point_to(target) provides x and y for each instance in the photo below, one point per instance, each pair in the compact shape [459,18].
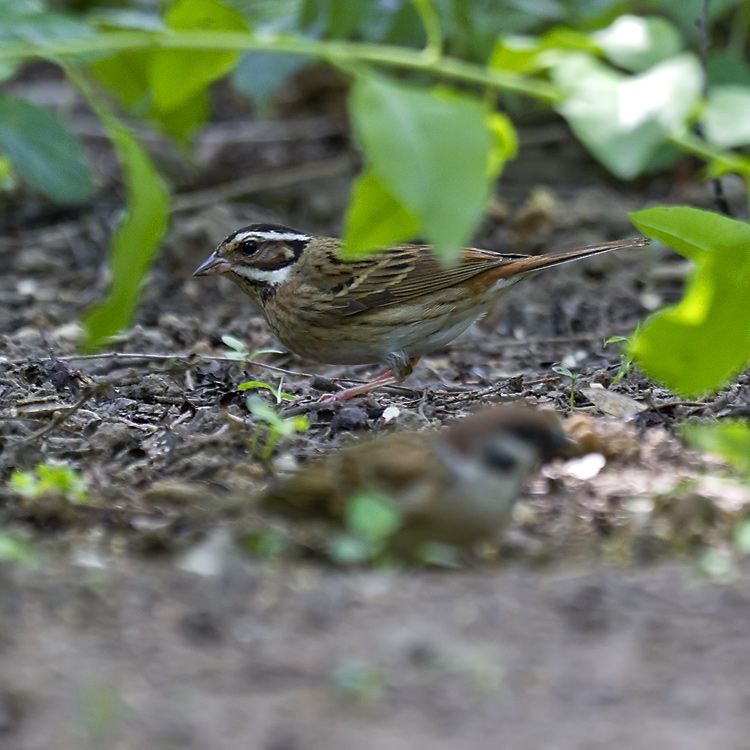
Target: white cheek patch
[275,277]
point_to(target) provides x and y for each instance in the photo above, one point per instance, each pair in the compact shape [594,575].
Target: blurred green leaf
[349,549]
[623,119]
[48,477]
[741,536]
[260,75]
[175,76]
[41,27]
[717,565]
[371,515]
[16,550]
[346,16]
[698,345]
[728,438]
[126,76]
[410,139]
[43,151]
[137,239]
[636,43]
[374,218]
[725,69]
[726,118]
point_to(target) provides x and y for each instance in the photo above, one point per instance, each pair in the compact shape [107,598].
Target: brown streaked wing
[397,275]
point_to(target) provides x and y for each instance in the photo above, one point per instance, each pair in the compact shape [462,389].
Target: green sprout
[278,394]
[16,550]
[560,370]
[239,350]
[50,478]
[358,681]
[275,427]
[626,361]
[370,519]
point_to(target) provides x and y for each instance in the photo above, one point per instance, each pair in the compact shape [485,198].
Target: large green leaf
[260,75]
[698,345]
[375,218]
[621,119]
[431,151]
[727,116]
[635,43]
[137,239]
[178,75]
[44,151]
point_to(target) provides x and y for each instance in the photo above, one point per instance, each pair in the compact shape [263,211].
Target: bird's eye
[249,247]
[500,457]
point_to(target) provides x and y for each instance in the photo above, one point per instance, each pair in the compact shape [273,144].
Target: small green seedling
[358,681]
[626,358]
[239,350]
[50,478]
[370,519]
[275,427]
[278,394]
[560,370]
[16,550]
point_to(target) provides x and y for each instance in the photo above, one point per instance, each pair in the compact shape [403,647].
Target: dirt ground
[612,615]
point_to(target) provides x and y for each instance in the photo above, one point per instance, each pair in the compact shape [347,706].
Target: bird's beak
[213,266]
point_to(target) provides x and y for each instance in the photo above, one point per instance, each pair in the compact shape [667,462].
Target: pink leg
[387,378]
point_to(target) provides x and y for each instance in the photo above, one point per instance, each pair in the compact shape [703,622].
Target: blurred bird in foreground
[455,486]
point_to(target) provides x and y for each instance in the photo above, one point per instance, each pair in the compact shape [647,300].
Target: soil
[157,615]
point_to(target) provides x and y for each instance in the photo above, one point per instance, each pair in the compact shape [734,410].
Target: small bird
[453,486]
[392,307]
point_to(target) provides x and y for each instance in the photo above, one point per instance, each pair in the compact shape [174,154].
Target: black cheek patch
[279,255]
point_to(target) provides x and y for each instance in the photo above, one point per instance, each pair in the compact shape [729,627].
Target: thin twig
[185,359]
[60,419]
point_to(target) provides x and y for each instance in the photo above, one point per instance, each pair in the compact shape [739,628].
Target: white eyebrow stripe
[271,236]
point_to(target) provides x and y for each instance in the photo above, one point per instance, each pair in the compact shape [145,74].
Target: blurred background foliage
[434,89]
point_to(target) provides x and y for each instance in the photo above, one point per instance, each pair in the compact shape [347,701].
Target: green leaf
[374,218]
[635,43]
[175,76]
[137,239]
[40,28]
[430,151]
[44,151]
[126,76]
[372,516]
[48,477]
[347,549]
[260,75]
[16,550]
[728,438]
[234,343]
[741,536]
[726,118]
[263,412]
[698,345]
[25,483]
[621,119]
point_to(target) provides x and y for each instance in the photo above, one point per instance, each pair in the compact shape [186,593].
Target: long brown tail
[538,262]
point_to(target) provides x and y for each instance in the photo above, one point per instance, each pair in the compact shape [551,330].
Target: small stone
[349,418]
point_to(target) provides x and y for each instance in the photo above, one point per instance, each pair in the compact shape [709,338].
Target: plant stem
[336,52]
